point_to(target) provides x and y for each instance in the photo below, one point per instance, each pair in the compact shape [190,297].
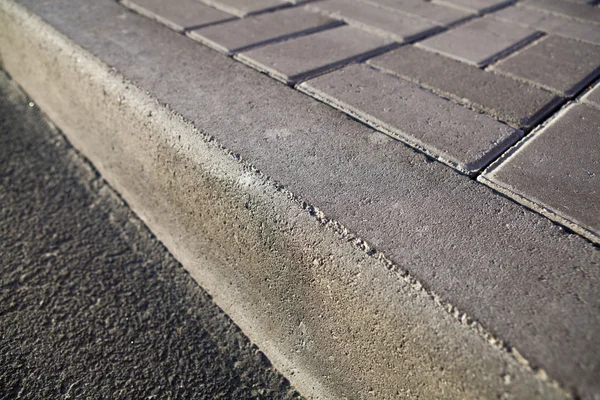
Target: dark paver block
[579,11]
[447,131]
[550,23]
[479,42]
[593,96]
[557,171]
[437,13]
[478,6]
[243,8]
[395,25]
[297,59]
[509,100]
[556,63]
[249,32]
[178,14]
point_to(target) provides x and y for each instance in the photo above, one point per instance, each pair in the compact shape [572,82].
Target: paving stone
[573,10]
[593,96]
[477,6]
[243,8]
[453,134]
[507,99]
[178,14]
[557,171]
[479,42]
[300,58]
[555,62]
[261,29]
[437,13]
[395,25]
[550,23]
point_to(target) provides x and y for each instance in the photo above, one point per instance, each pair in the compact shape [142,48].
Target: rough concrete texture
[557,170]
[556,63]
[593,96]
[243,8]
[584,12]
[517,103]
[394,25]
[479,42]
[328,314]
[300,58]
[550,23]
[178,14]
[437,13]
[457,136]
[92,306]
[477,6]
[257,30]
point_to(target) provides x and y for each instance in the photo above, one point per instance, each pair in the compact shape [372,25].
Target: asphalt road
[92,306]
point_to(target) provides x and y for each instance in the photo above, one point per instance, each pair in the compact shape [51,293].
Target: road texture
[92,306]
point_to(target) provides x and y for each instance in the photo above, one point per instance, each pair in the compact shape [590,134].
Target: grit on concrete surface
[526,280]
[91,304]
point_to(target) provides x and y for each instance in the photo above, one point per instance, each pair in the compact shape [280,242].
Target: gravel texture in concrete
[557,170]
[517,103]
[479,42]
[92,306]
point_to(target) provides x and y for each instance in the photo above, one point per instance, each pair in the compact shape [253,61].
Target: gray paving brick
[557,171]
[437,13]
[300,58]
[550,23]
[479,42]
[261,29]
[509,100]
[178,14]
[243,8]
[573,10]
[477,6]
[555,62]
[593,96]
[395,25]
[453,134]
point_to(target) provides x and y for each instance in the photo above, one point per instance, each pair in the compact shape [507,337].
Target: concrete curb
[333,316]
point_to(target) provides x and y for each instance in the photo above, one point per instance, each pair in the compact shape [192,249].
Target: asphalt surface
[91,304]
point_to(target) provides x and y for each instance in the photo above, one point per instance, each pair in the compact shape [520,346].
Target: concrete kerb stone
[245,242]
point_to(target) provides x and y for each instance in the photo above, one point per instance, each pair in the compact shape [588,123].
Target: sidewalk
[362,257]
